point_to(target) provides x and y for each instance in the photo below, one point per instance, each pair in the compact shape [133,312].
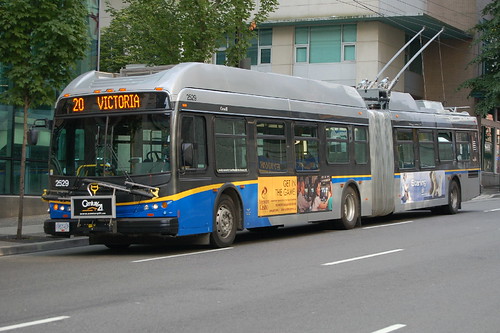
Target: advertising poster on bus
[277,195]
[421,186]
[314,193]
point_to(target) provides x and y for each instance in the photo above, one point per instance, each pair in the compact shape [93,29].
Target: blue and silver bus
[209,150]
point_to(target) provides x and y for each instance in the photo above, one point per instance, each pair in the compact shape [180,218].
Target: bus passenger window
[306,148]
[426,149]
[360,145]
[337,143]
[463,146]
[445,144]
[230,145]
[404,149]
[193,143]
[271,147]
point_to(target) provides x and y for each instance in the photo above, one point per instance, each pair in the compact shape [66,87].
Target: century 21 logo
[92,206]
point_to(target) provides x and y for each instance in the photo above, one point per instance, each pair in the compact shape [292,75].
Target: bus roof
[220,78]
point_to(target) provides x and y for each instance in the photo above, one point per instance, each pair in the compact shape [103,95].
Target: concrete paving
[34,239]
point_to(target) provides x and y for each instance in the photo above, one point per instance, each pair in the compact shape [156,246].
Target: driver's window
[193,143]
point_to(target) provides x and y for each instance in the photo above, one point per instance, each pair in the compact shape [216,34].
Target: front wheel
[225,223]
[350,214]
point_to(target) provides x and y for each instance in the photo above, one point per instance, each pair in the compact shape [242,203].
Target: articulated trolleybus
[209,150]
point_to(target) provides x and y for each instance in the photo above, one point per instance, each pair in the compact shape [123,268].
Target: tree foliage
[160,32]
[145,32]
[41,42]
[487,85]
[200,23]
[241,17]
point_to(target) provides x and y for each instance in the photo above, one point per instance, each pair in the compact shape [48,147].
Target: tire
[225,223]
[454,199]
[350,214]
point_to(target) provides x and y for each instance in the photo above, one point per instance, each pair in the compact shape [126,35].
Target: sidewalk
[35,240]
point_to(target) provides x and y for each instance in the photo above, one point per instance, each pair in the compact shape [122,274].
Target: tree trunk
[22,172]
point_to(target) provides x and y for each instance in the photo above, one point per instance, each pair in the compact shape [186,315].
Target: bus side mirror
[187,154]
[33,132]
[32,136]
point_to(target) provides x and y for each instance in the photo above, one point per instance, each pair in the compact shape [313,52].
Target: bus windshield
[114,145]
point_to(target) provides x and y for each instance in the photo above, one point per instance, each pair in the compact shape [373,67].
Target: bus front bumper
[164,226]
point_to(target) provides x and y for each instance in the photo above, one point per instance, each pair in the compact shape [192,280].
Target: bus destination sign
[110,102]
[113,102]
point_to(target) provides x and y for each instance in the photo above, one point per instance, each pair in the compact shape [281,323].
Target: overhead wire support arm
[412,59]
[394,57]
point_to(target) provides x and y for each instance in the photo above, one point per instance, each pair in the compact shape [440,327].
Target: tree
[183,31]
[144,32]
[41,42]
[487,85]
[200,25]
[240,25]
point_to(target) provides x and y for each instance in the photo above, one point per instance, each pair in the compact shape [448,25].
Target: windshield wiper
[132,188]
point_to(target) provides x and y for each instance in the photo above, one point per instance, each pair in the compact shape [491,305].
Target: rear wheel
[454,199]
[350,209]
[225,223]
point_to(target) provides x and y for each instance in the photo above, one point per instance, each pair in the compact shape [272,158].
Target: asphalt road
[414,272]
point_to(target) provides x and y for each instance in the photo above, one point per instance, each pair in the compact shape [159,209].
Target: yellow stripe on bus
[352,176]
[187,193]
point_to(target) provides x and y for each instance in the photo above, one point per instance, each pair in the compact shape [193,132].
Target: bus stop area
[35,240]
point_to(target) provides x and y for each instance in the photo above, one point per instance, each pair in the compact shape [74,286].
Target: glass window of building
[259,51]
[325,44]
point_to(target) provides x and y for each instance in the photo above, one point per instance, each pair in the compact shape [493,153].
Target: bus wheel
[454,199]
[225,223]
[350,209]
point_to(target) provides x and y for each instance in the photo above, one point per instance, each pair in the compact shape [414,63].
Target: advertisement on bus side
[421,186]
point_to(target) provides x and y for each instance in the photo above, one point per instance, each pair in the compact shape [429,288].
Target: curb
[43,246]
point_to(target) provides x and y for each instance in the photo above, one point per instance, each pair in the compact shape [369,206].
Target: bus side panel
[251,218]
[468,181]
[195,212]
[363,185]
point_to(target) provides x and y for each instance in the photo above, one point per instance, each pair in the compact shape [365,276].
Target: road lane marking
[387,225]
[362,257]
[390,328]
[182,255]
[32,323]
[491,210]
